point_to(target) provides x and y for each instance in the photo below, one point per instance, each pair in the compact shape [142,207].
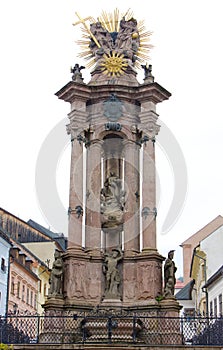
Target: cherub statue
[77,75]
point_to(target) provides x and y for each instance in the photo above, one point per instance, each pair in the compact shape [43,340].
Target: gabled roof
[5,235]
[42,229]
[204,232]
[179,284]
[214,277]
[23,247]
[185,292]
[58,237]
[31,231]
[23,224]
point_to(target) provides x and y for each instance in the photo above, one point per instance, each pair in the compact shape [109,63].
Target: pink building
[23,284]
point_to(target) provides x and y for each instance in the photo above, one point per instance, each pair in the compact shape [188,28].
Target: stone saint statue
[112,275]
[169,275]
[112,201]
[56,276]
[103,37]
[127,41]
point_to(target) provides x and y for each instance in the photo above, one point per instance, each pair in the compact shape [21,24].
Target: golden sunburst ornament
[113,42]
[113,64]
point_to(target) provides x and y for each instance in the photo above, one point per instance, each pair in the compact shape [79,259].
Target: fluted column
[149,197]
[75,210]
[93,189]
[131,173]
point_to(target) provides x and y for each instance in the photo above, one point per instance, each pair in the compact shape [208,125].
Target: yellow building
[198,274]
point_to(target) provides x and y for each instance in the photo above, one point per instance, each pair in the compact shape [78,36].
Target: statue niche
[112,202]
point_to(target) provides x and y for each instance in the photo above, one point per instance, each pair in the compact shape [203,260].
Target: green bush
[5,347]
[159,298]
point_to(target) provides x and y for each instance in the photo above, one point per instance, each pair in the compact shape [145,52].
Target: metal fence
[134,329]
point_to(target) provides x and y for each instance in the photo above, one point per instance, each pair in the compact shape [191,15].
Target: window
[189,313]
[40,286]
[220,304]
[211,308]
[18,289]
[23,292]
[204,308]
[13,285]
[3,266]
[35,301]
[31,298]
[215,307]
[27,296]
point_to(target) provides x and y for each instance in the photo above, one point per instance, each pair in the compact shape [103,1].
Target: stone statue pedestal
[111,303]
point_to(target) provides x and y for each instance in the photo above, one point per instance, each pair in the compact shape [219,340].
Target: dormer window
[3,265]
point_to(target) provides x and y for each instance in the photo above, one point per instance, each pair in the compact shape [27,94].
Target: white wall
[4,253]
[187,304]
[213,247]
[213,292]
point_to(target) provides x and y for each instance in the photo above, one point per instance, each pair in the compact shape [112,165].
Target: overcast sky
[37,49]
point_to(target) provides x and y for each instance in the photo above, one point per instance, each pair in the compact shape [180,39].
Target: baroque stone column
[131,172]
[93,189]
[149,197]
[75,210]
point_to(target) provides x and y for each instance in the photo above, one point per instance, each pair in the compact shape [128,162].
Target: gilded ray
[111,23]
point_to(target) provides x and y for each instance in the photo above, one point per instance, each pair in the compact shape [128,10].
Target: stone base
[128,79]
[111,323]
[170,307]
[111,303]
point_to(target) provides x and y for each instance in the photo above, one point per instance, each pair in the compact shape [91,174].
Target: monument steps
[109,346]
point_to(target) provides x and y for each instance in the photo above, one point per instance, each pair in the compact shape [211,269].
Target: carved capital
[149,123]
[76,131]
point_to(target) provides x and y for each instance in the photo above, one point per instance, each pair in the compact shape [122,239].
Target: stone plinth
[82,278]
[142,274]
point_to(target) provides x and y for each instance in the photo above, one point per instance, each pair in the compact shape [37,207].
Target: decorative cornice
[152,92]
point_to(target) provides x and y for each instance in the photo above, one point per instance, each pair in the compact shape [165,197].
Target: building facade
[23,283]
[206,270]
[193,241]
[29,262]
[5,246]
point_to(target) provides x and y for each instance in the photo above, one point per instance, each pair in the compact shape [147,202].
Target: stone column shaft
[149,197]
[76,195]
[93,190]
[131,173]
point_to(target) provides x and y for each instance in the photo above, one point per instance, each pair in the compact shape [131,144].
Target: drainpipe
[204,289]
[8,280]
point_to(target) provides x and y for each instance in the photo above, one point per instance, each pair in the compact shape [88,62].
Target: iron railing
[135,329]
